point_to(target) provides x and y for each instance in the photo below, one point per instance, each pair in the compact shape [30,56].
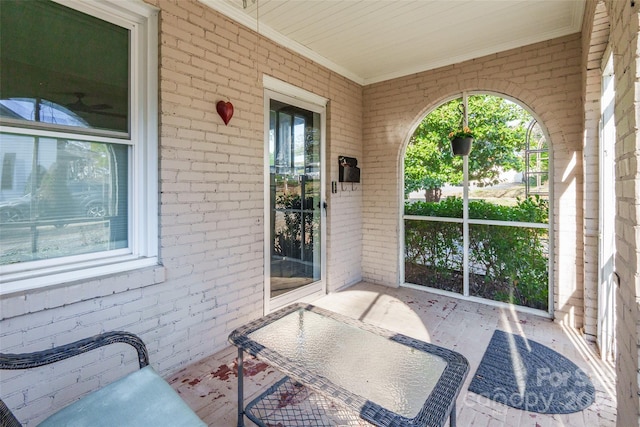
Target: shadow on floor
[210,386]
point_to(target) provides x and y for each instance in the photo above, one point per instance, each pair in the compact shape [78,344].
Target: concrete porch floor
[210,385]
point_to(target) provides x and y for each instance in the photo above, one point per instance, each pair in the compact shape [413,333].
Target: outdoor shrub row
[506,263]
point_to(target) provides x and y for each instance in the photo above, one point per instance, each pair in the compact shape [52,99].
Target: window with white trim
[78,139]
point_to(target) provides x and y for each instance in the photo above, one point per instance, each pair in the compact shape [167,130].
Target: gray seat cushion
[142,398]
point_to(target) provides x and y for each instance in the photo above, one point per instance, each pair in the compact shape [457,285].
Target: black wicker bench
[139,398]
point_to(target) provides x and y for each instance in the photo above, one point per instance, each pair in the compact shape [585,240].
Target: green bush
[506,263]
[451,207]
[295,237]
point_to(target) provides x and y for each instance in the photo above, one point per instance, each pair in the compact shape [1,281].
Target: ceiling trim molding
[250,22]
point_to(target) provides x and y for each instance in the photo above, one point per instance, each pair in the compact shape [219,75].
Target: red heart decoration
[225,110]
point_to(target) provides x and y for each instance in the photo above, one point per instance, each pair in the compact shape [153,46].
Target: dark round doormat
[527,375]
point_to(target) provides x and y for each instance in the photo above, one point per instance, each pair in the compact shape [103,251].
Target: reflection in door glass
[294,160]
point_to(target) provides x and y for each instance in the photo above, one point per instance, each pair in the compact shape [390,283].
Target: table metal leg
[240,389]
[452,416]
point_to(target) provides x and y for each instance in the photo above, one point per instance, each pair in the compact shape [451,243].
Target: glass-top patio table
[386,378]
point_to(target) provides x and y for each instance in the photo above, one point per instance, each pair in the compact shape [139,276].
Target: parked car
[15,210]
[87,203]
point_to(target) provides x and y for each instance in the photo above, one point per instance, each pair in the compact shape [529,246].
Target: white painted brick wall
[625,43]
[546,77]
[211,216]
[211,202]
[595,39]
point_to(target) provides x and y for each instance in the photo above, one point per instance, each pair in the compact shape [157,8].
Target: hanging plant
[461,141]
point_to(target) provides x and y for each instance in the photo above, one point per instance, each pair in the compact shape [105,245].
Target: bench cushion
[142,398]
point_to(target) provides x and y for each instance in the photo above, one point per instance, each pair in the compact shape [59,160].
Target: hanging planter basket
[461,146]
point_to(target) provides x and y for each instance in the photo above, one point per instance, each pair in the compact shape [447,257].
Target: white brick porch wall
[211,212]
[594,43]
[545,77]
[211,216]
[624,21]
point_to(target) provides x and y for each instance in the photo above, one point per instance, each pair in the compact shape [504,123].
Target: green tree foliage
[505,262]
[499,128]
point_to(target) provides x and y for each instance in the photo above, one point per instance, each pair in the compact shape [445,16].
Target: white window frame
[142,21]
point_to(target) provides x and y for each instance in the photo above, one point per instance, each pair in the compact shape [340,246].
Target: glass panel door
[295,203]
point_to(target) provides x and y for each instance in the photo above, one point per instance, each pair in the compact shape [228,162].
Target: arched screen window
[477,224]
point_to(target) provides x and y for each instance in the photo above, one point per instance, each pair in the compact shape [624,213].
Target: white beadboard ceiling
[369,41]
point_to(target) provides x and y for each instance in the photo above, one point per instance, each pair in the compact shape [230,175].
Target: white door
[294,200]
[607,248]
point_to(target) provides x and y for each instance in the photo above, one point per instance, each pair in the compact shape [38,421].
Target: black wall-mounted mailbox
[348,170]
